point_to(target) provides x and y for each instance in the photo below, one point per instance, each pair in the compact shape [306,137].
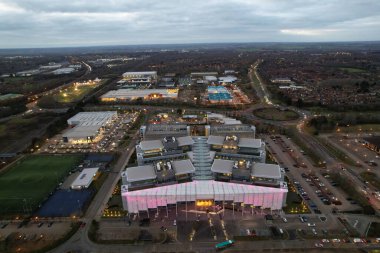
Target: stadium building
[217,167]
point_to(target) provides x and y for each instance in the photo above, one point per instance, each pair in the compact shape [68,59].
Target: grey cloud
[57,22]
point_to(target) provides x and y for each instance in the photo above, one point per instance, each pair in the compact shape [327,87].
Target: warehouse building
[140,78]
[140,74]
[87,127]
[133,94]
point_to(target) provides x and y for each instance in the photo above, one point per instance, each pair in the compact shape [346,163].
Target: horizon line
[192,43]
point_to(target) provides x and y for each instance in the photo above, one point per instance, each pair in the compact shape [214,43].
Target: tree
[300,103]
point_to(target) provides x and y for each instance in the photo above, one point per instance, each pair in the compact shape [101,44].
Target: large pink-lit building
[203,191]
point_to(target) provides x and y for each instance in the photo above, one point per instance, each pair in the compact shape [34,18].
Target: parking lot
[319,192]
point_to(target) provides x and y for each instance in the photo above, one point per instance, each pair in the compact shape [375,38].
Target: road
[32,106]
[80,240]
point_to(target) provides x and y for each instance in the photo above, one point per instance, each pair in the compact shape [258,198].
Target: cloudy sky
[55,23]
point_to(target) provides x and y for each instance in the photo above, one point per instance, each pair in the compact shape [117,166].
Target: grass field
[275,114]
[364,128]
[353,70]
[75,93]
[72,94]
[9,96]
[27,183]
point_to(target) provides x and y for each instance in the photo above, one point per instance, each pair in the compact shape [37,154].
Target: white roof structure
[211,78]
[141,200]
[224,119]
[185,141]
[227,79]
[266,170]
[215,140]
[80,132]
[140,73]
[62,71]
[222,166]
[126,94]
[92,118]
[228,121]
[183,167]
[249,143]
[85,178]
[149,145]
[139,173]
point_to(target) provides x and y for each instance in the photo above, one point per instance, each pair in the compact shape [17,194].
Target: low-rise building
[373,143]
[267,174]
[84,179]
[133,94]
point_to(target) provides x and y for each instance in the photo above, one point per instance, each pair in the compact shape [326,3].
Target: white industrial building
[140,74]
[84,179]
[87,126]
[92,118]
[133,94]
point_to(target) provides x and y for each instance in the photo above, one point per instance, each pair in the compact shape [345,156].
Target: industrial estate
[191,150]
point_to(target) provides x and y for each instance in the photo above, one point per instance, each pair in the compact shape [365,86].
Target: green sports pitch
[29,181]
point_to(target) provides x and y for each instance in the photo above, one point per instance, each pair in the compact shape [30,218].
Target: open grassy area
[73,94]
[27,183]
[275,114]
[364,128]
[17,132]
[353,70]
[9,96]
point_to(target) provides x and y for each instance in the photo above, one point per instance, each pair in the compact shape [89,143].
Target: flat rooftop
[140,73]
[183,167]
[140,173]
[215,140]
[81,131]
[85,178]
[140,93]
[266,170]
[222,166]
[185,141]
[149,145]
[249,143]
[91,118]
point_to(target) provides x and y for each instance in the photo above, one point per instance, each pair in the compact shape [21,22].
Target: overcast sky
[55,23]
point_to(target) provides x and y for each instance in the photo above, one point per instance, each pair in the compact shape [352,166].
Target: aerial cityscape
[191,126]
